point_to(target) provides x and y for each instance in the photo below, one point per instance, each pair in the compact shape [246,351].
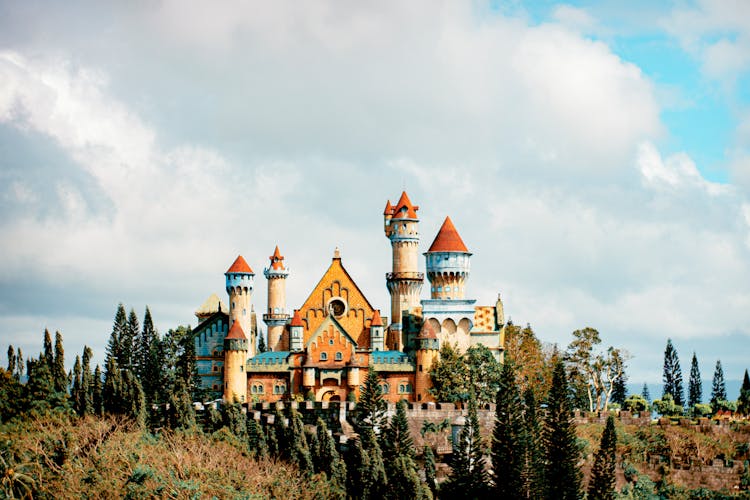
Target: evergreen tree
[11,360]
[281,434]
[430,471]
[468,477]
[149,359]
[327,460]
[97,397]
[262,343]
[718,388]
[508,438]
[59,376]
[562,476]
[743,402]
[449,376]
[602,482]
[133,399]
[370,410]
[128,339]
[398,457]
[299,452]
[87,383]
[181,414]
[235,420]
[256,441]
[48,356]
[377,480]
[39,390]
[695,387]
[19,365]
[112,390]
[272,441]
[672,376]
[358,471]
[620,389]
[645,393]
[76,392]
[534,459]
[118,330]
[212,419]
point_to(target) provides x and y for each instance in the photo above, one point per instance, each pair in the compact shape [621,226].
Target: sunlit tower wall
[276,317]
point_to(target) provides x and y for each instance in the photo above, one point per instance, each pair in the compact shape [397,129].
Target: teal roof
[270,358]
[380,357]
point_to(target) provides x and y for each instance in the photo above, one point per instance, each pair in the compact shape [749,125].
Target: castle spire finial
[336,253]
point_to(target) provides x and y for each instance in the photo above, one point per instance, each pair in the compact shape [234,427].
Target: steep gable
[330,345]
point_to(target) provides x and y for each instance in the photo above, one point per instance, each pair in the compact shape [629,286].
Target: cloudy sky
[595,158]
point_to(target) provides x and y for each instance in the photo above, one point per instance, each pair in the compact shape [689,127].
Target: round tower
[240,289]
[427,353]
[276,316]
[236,346]
[404,281]
[447,264]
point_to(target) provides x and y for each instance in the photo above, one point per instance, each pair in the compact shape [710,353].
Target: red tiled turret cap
[404,209]
[427,331]
[447,239]
[388,208]
[376,319]
[296,319]
[236,332]
[277,260]
[239,266]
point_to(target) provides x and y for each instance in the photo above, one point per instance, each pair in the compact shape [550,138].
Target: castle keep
[324,349]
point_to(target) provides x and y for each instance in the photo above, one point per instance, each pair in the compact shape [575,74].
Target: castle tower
[447,264]
[404,281]
[240,288]
[235,357]
[428,352]
[276,317]
[295,332]
[377,341]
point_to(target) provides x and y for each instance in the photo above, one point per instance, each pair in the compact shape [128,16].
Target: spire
[428,332]
[376,319]
[336,254]
[448,239]
[296,319]
[236,332]
[239,266]
[388,208]
[404,209]
[277,260]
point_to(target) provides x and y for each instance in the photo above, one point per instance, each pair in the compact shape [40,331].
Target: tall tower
[404,281]
[427,353]
[447,264]
[240,288]
[235,356]
[276,317]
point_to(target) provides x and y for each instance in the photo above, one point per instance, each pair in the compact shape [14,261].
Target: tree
[562,477]
[743,402]
[118,330]
[672,376]
[370,409]
[76,390]
[484,372]
[149,361]
[398,458]
[48,356]
[645,393]
[524,350]
[667,406]
[449,375]
[695,386]
[11,360]
[256,441]
[468,477]
[19,365]
[365,472]
[718,388]
[508,438]
[128,346]
[59,375]
[181,414]
[620,390]
[430,471]
[98,393]
[534,459]
[602,482]
[112,390]
[262,343]
[87,383]
[298,450]
[326,459]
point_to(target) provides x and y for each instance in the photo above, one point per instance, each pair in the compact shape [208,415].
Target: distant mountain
[733,389]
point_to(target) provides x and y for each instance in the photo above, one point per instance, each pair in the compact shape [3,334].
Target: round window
[337,306]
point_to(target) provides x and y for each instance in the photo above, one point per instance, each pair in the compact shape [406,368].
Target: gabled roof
[210,321]
[448,239]
[296,319]
[277,260]
[324,325]
[376,319]
[404,209]
[239,266]
[236,332]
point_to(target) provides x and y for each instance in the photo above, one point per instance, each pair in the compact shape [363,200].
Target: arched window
[385,388]
[324,356]
[339,356]
[216,368]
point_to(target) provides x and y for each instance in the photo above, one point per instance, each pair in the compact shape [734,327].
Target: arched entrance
[330,396]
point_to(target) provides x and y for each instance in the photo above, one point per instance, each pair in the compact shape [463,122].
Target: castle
[324,349]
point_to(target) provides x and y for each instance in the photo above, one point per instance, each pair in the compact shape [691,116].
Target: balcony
[404,276]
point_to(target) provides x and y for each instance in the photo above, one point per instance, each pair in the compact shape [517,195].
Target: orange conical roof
[410,211]
[376,319]
[428,332]
[239,266]
[277,260]
[448,239]
[388,208]
[296,319]
[236,332]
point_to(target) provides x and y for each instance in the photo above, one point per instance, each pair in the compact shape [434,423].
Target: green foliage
[11,392]
[97,397]
[181,414]
[484,374]
[326,459]
[743,402]
[398,458]
[86,401]
[695,386]
[509,438]
[534,459]
[256,440]
[561,476]
[430,471]
[701,410]
[365,478]
[262,343]
[59,375]
[645,393]
[468,477]
[620,390]
[298,450]
[672,375]
[449,376]
[636,403]
[602,482]
[667,406]
[148,359]
[718,388]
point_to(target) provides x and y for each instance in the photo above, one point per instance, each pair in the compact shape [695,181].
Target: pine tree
[112,390]
[719,388]
[181,414]
[370,409]
[695,387]
[133,399]
[602,482]
[212,419]
[620,389]
[377,480]
[358,471]
[87,383]
[256,441]
[430,471]
[149,359]
[97,397]
[672,376]
[262,343]
[59,376]
[645,393]
[299,452]
[327,460]
[468,477]
[19,365]
[76,392]
[398,457]
[128,339]
[743,402]
[235,420]
[281,434]
[11,360]
[272,441]
[48,356]
[534,459]
[118,330]
[562,476]
[508,438]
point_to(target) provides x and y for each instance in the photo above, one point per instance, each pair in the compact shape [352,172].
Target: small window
[420,368]
[339,356]
[215,387]
[260,388]
[447,289]
[409,389]
[385,388]
[242,368]
[330,342]
[252,389]
[216,353]
[216,368]
[401,388]
[324,356]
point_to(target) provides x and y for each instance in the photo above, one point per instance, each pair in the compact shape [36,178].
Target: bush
[667,407]
[701,410]
[636,403]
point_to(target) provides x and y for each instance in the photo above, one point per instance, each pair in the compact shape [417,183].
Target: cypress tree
[128,339]
[672,376]
[262,343]
[48,356]
[534,459]
[59,376]
[376,478]
[76,392]
[19,364]
[562,476]
[112,390]
[235,420]
[358,471]
[329,461]
[149,359]
[118,330]
[508,438]
[11,360]
[468,477]
[719,388]
[602,482]
[134,402]
[398,457]
[299,452]
[281,434]
[743,402]
[181,414]
[370,409]
[87,383]
[256,441]
[695,387]
[97,396]
[645,393]
[430,471]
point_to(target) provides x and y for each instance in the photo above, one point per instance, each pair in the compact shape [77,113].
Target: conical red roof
[239,266]
[447,239]
[296,319]
[236,332]
[376,319]
[388,208]
[277,260]
[427,331]
[405,203]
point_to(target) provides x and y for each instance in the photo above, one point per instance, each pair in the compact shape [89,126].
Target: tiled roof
[428,332]
[404,209]
[277,260]
[296,319]
[376,319]
[388,208]
[236,332]
[239,266]
[270,358]
[447,239]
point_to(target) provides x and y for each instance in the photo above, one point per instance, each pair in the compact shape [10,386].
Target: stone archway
[331,394]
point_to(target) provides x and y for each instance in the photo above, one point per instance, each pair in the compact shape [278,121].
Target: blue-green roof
[380,357]
[270,358]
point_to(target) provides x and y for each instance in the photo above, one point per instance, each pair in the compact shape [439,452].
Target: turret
[295,332]
[428,349]
[236,346]
[404,281]
[377,342]
[240,289]
[447,263]
[276,316]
